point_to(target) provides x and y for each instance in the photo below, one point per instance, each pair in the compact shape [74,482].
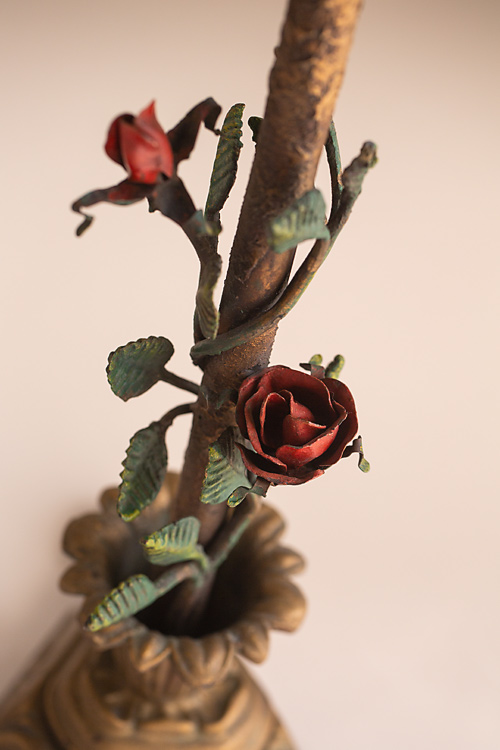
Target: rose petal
[295,456]
[249,458]
[251,427]
[298,410]
[263,468]
[112,145]
[273,411]
[306,390]
[341,394]
[140,146]
[147,122]
[247,390]
[299,431]
[252,412]
[140,152]
[342,399]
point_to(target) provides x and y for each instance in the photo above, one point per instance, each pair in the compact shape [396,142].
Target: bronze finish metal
[132,687]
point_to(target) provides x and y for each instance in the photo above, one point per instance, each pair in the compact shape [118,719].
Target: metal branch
[304,85]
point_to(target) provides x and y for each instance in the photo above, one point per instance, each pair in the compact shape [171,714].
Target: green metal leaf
[335,367]
[225,472]
[134,368]
[175,543]
[129,597]
[137,593]
[226,161]
[144,469]
[303,220]
[363,464]
[236,497]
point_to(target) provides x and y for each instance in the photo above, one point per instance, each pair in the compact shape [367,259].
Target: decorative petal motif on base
[265,567]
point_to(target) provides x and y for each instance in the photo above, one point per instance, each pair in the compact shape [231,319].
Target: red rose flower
[297,424]
[150,157]
[140,145]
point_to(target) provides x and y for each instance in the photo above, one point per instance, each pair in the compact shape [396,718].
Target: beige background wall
[401,645]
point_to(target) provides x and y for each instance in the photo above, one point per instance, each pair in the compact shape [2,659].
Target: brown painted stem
[304,85]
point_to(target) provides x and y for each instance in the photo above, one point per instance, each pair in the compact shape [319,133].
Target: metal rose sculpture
[150,156]
[257,426]
[297,424]
[189,574]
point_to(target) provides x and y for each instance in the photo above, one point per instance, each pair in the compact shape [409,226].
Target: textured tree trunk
[304,85]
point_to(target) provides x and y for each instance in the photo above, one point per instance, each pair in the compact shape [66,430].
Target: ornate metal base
[60,703]
[130,686]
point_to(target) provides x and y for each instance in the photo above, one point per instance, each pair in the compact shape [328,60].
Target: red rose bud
[140,145]
[297,424]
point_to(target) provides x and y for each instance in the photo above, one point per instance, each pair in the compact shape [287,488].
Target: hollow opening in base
[234,591]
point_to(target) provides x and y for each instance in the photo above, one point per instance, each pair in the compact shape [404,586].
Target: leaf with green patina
[303,220]
[175,543]
[143,472]
[259,487]
[134,368]
[137,593]
[225,472]
[129,597]
[226,161]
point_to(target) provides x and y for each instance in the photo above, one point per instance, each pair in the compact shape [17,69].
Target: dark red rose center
[285,421]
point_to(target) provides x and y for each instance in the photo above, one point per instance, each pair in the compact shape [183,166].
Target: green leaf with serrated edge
[335,367]
[144,469]
[224,473]
[226,161]
[303,220]
[129,597]
[175,543]
[136,593]
[134,368]
[254,124]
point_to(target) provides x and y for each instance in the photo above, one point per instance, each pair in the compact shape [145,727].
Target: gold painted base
[62,704]
[132,687]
